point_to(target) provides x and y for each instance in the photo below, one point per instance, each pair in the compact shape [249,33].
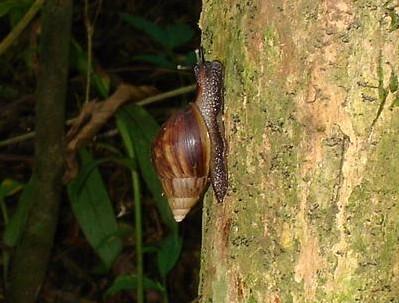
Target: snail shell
[181,154]
[191,146]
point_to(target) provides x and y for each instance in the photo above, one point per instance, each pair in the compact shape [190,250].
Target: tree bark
[312,212]
[32,254]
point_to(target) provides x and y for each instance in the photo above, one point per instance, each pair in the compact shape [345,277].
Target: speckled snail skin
[191,146]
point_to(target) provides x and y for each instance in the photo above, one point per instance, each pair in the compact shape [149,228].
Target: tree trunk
[32,254]
[312,213]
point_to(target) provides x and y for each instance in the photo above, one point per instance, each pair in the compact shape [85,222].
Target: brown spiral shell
[181,155]
[191,146]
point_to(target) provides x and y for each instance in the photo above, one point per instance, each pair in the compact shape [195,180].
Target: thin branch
[172,93]
[89,31]
[146,101]
[90,25]
[22,24]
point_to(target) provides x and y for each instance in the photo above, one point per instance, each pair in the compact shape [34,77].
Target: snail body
[190,147]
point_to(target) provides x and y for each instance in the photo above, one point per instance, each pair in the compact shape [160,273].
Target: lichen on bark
[312,128]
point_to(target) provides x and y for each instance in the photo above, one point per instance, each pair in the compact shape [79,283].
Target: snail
[191,148]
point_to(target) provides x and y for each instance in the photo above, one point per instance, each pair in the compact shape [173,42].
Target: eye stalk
[199,53]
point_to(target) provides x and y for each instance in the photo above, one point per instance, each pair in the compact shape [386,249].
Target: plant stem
[139,240]
[4,211]
[89,30]
[138,226]
[34,248]
[22,24]
[165,296]
[5,254]
[173,93]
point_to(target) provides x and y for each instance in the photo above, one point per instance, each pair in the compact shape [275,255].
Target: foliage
[93,195]
[93,210]
[14,9]
[169,38]
[13,230]
[101,82]
[129,282]
[15,226]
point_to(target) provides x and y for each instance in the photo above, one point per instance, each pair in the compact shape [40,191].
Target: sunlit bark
[312,213]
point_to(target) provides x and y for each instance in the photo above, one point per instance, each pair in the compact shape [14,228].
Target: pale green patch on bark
[311,212]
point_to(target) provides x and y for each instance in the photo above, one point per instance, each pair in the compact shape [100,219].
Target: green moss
[219,289]
[272,51]
[264,172]
[251,299]
[256,251]
[373,223]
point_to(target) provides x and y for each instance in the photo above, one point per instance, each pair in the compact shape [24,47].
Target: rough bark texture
[32,254]
[312,213]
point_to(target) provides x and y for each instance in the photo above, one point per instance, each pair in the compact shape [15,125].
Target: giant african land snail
[191,145]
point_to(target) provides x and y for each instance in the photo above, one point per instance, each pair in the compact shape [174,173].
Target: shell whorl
[191,145]
[181,154]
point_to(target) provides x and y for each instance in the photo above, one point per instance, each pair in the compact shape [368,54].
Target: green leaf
[18,11]
[93,210]
[190,59]
[88,169]
[78,57]
[169,253]
[150,28]
[171,36]
[129,282]
[15,227]
[178,35]
[101,83]
[9,187]
[139,129]
[124,125]
[8,5]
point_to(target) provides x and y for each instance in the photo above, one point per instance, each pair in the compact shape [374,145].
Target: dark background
[121,52]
